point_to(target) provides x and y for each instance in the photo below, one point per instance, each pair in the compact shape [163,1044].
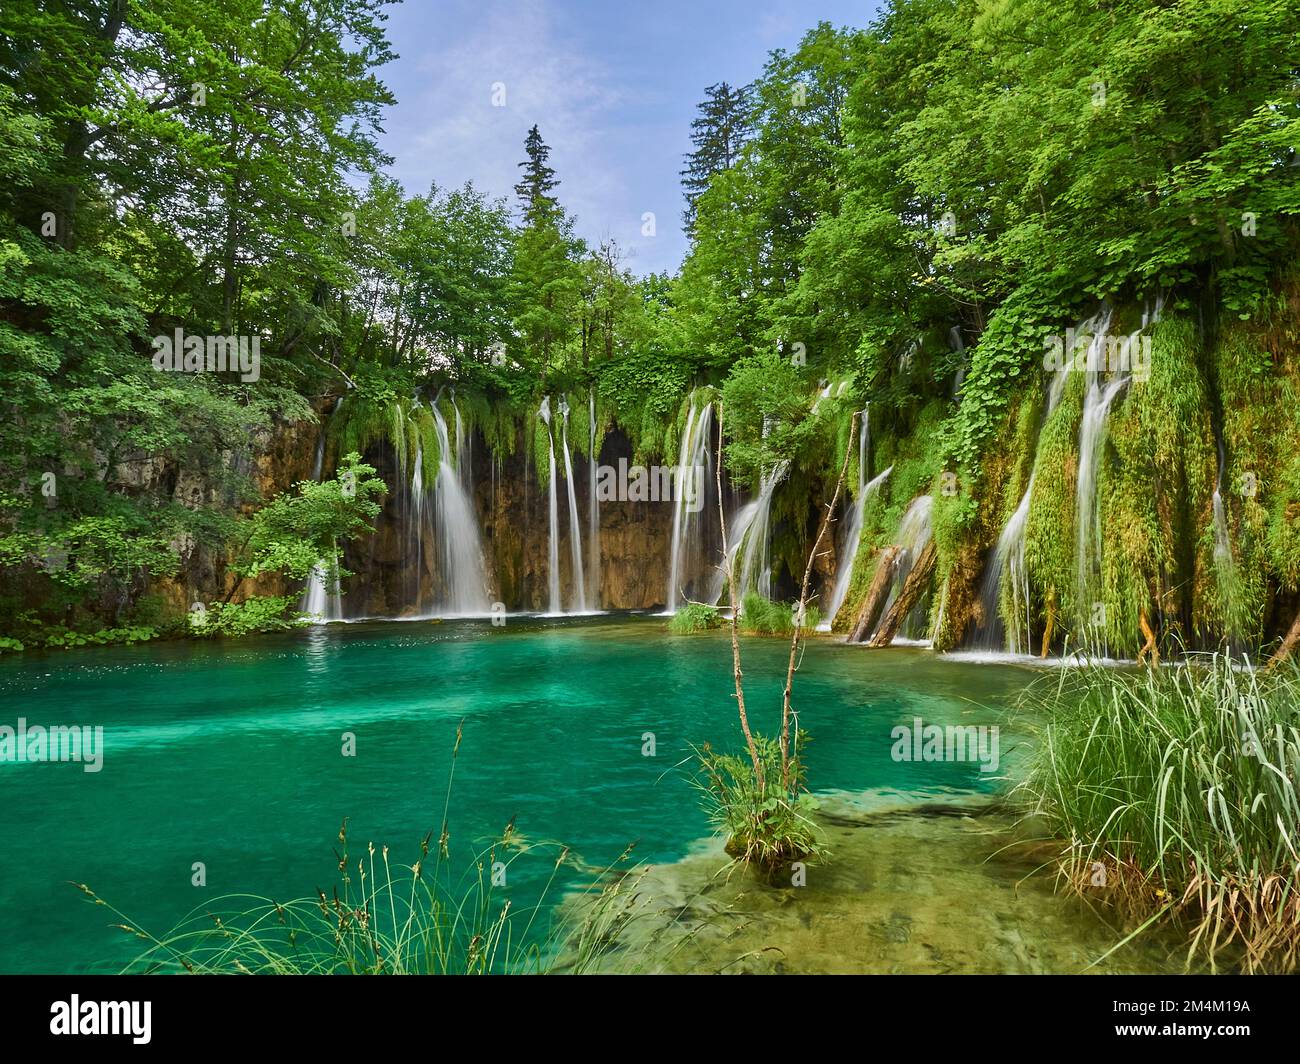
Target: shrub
[694,617]
[762,616]
[262,613]
[766,826]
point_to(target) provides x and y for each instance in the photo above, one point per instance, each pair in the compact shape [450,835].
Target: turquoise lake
[230,754]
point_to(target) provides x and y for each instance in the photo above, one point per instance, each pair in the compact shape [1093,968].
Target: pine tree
[546,276]
[718,135]
[534,191]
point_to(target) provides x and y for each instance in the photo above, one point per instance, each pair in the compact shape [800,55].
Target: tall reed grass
[383,918]
[1177,791]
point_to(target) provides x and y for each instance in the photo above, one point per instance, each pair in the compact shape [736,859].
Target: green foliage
[296,530]
[765,405]
[762,616]
[256,614]
[694,617]
[66,638]
[765,825]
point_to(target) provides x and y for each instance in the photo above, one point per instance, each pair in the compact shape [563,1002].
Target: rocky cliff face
[281,456]
[396,571]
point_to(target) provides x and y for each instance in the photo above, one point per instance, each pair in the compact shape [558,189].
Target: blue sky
[613,87]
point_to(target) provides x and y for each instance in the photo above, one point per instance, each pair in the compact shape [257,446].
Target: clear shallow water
[230,754]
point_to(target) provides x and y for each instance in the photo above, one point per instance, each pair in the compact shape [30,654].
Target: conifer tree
[718,134]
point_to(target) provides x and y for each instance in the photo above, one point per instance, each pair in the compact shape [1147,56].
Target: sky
[612,85]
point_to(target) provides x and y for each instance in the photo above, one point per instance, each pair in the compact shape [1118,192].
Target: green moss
[539,437]
[1050,531]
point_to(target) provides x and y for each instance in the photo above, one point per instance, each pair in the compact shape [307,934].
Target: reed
[385,918]
[1177,788]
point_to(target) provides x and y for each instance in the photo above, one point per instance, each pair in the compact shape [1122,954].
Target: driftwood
[876,595]
[1051,623]
[1288,644]
[1149,647]
[913,586]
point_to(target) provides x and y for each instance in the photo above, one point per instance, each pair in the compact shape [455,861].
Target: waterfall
[1225,566]
[844,571]
[554,605]
[1007,566]
[749,541]
[694,453]
[417,518]
[319,602]
[464,578]
[1092,441]
[1008,563]
[593,506]
[914,532]
[575,530]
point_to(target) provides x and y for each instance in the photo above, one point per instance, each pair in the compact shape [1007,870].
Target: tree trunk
[1149,647]
[1050,628]
[803,598]
[1288,644]
[729,576]
[913,586]
[875,600]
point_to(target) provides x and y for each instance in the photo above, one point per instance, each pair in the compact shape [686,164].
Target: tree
[718,135]
[546,279]
[535,188]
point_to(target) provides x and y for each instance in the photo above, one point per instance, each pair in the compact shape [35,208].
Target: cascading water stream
[844,571]
[593,505]
[853,538]
[554,605]
[575,530]
[1008,564]
[1225,566]
[689,494]
[748,533]
[319,601]
[464,577]
[1088,547]
[1008,561]
[914,532]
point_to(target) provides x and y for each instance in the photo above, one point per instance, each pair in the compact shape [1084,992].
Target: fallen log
[865,622]
[912,589]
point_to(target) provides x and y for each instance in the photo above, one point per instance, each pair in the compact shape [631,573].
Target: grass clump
[694,617]
[762,616]
[1178,790]
[767,824]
